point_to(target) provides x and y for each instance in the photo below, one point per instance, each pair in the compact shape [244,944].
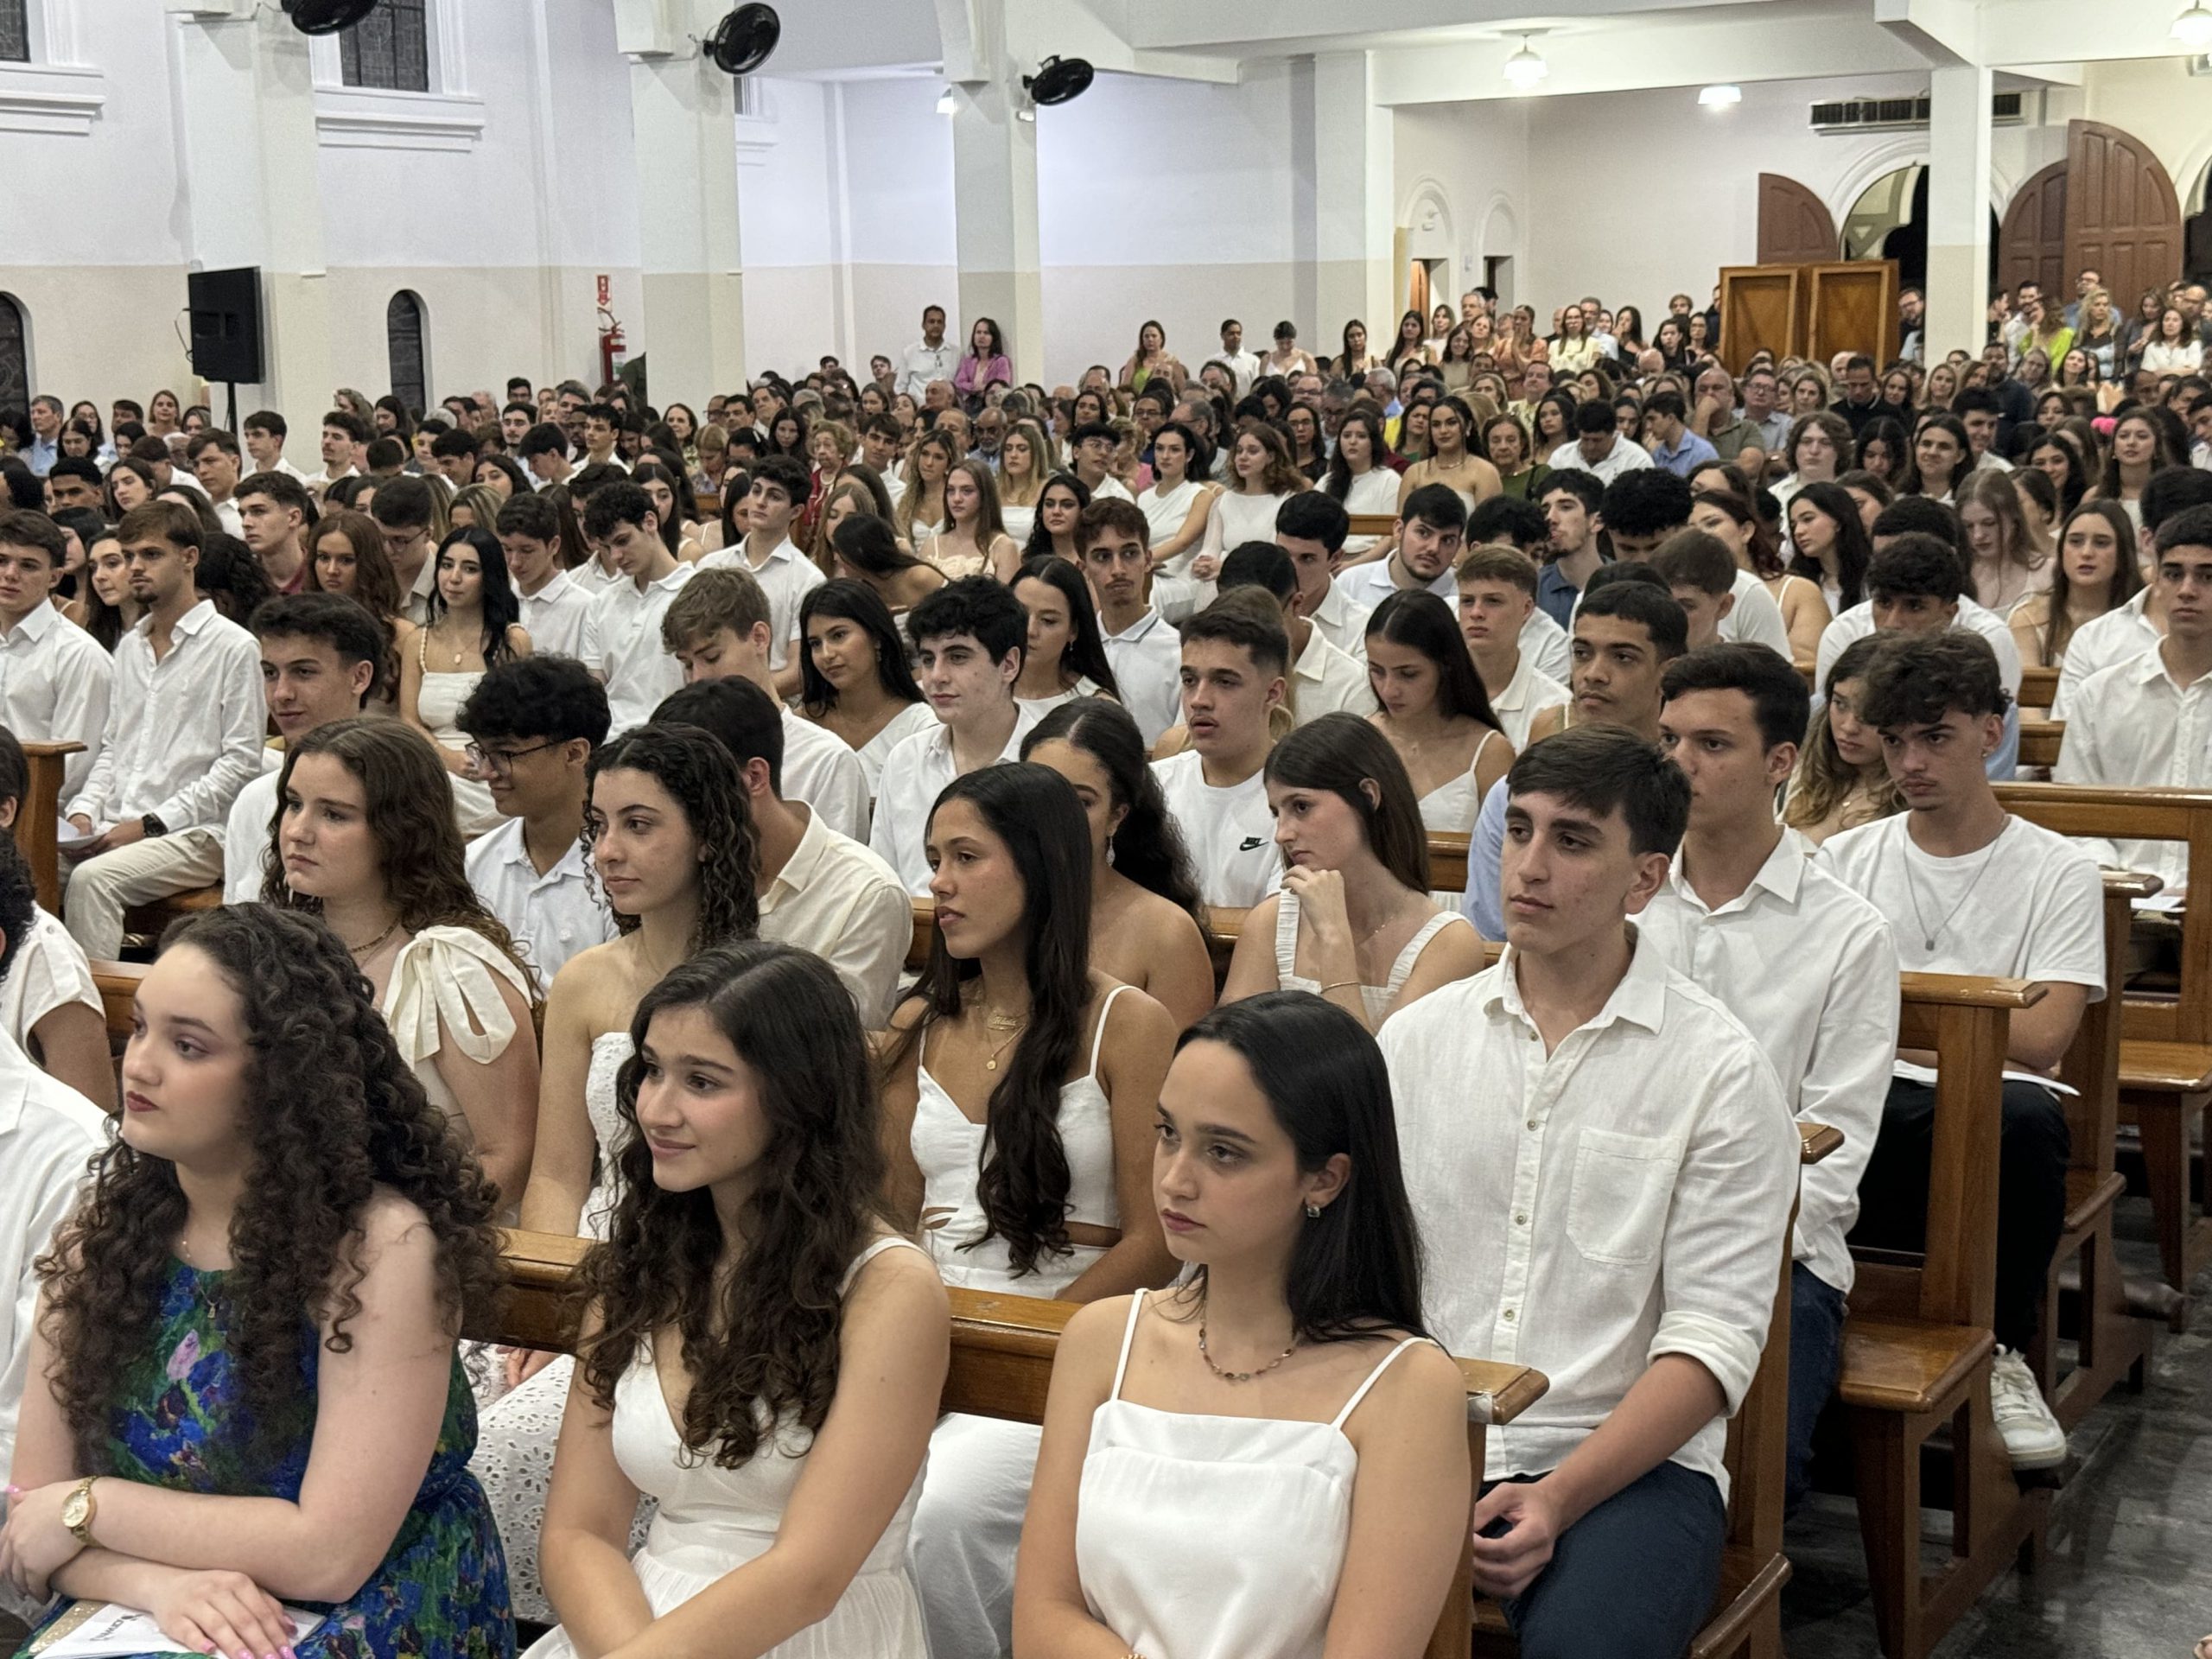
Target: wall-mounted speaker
[226,323]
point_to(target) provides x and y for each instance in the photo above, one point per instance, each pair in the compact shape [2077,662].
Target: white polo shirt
[554,616]
[786,576]
[55,683]
[839,900]
[822,770]
[553,916]
[914,774]
[1327,681]
[1230,833]
[1147,658]
[1528,693]
[621,645]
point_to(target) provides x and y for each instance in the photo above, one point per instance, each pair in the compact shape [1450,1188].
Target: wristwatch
[152,824]
[78,1510]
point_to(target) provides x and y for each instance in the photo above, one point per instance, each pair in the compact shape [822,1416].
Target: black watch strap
[152,824]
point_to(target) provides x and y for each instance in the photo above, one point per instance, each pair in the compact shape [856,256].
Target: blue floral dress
[182,1422]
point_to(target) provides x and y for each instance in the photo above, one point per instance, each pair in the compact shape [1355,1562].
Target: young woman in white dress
[1726,515]
[1360,475]
[1261,478]
[672,847]
[1066,658]
[473,624]
[974,539]
[1176,505]
[1453,429]
[854,681]
[1269,1460]
[1025,463]
[1018,1086]
[760,1353]
[1433,709]
[1354,922]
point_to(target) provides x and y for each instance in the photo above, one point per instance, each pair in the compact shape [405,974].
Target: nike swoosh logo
[1252,844]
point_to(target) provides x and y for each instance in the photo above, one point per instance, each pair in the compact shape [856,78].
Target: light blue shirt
[1481,904]
[40,454]
[1689,454]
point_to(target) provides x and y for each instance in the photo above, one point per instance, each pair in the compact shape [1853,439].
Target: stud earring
[1312,1212]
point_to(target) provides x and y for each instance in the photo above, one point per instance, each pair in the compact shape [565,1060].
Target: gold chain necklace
[1235,1377]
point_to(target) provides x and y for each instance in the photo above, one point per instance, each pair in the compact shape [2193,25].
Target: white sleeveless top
[1378,998]
[1452,807]
[949,1146]
[1206,1537]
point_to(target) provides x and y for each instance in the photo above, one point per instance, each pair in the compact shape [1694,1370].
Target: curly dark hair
[761,1343]
[330,1113]
[694,768]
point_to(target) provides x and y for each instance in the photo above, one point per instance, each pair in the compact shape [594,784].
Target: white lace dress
[515,1432]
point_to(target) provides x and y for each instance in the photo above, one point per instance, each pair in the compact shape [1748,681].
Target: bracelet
[1325,989]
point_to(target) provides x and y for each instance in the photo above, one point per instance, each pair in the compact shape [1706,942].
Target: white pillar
[251,155]
[994,215]
[1958,210]
[1353,161]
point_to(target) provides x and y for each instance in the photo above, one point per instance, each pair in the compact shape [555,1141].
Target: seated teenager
[779,1406]
[622,644]
[1064,657]
[672,849]
[1626,631]
[1302,1517]
[718,628]
[1968,888]
[49,1003]
[533,726]
[2132,726]
[1354,922]
[183,736]
[1432,525]
[349,559]
[1235,657]
[1699,573]
[1842,778]
[54,678]
[1434,710]
[1574,545]
[281,1254]
[1019,1093]
[365,837]
[1323,680]
[1313,527]
[1803,605]
[778,494]
[1625,1242]
[2095,574]
[969,639]
[322,657]
[818,889]
[1147,923]
[855,682]
[1498,599]
[2136,626]
[1804,963]
[1144,650]
[554,603]
[1645,509]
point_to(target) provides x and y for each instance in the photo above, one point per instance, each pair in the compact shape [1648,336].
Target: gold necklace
[1236,1376]
[995,1020]
[361,951]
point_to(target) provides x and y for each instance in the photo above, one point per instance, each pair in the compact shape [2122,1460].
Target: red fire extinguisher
[614,352]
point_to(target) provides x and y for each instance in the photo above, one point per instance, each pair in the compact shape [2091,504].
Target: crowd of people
[569,768]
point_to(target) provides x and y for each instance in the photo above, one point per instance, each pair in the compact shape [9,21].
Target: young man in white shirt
[264,434]
[532,725]
[1244,366]
[554,606]
[621,642]
[1323,680]
[1598,446]
[932,360]
[321,655]
[603,426]
[544,453]
[778,495]
[1968,888]
[274,513]
[1236,656]
[969,639]
[1311,527]
[2142,724]
[403,511]
[1805,963]
[345,449]
[183,736]
[1498,596]
[819,890]
[1645,509]
[1701,573]
[1146,654]
[1602,1166]
[1090,451]
[214,459]
[1431,527]
[54,679]
[718,628]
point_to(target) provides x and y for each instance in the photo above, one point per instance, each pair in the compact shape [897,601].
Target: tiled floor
[2128,1575]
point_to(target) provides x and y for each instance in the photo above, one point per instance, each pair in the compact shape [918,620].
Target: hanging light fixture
[1526,69]
[1720,98]
[946,103]
[2193,28]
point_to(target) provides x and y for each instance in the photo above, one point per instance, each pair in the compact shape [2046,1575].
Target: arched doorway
[1888,220]
[406,334]
[15,355]
[2196,231]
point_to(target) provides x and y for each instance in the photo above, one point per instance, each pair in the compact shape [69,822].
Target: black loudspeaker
[226,323]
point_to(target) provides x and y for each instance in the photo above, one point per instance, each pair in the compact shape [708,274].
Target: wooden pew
[2038,686]
[2166,1047]
[37,819]
[1917,1344]
[1002,1349]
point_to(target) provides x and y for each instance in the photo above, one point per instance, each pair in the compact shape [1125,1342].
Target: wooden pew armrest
[2165,1068]
[1903,1366]
[1816,1142]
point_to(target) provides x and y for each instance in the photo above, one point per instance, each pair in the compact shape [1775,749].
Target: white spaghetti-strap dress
[1378,998]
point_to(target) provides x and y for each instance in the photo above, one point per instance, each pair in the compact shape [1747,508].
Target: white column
[246,102]
[1958,210]
[1353,161]
[994,215]
[682,124]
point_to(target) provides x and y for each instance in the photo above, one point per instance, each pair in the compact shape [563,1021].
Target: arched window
[15,355]
[404,331]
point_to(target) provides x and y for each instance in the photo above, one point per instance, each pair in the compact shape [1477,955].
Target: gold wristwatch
[78,1510]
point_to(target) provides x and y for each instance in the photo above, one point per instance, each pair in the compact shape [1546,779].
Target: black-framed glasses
[503,760]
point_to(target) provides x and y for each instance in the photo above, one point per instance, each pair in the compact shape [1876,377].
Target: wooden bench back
[37,819]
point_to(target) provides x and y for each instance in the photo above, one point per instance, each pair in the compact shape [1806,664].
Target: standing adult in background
[985,361]
[929,359]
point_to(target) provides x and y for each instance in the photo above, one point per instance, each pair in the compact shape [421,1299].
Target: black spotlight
[326,16]
[742,41]
[1059,79]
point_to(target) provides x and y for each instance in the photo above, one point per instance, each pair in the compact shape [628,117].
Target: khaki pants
[101,888]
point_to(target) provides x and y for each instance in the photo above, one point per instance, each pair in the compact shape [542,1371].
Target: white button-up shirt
[1546,643]
[1343,622]
[2118,636]
[1366,586]
[54,682]
[1810,969]
[837,898]
[554,916]
[914,774]
[183,735]
[1325,681]
[786,576]
[1147,658]
[622,645]
[1528,693]
[1624,457]
[923,363]
[1589,1210]
[822,770]
[554,616]
[2132,726]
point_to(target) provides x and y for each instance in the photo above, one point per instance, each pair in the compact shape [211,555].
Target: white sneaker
[2034,1438]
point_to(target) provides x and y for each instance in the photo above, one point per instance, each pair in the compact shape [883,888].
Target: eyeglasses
[502,761]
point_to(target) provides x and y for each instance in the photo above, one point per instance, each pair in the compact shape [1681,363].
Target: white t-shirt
[50,971]
[1756,620]
[1230,833]
[621,645]
[554,616]
[786,576]
[822,770]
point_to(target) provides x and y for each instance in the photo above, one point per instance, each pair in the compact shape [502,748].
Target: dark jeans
[1634,1579]
[1816,1310]
[2030,1193]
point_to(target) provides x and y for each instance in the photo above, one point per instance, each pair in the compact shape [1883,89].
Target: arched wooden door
[2032,243]
[1795,225]
[2123,219]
